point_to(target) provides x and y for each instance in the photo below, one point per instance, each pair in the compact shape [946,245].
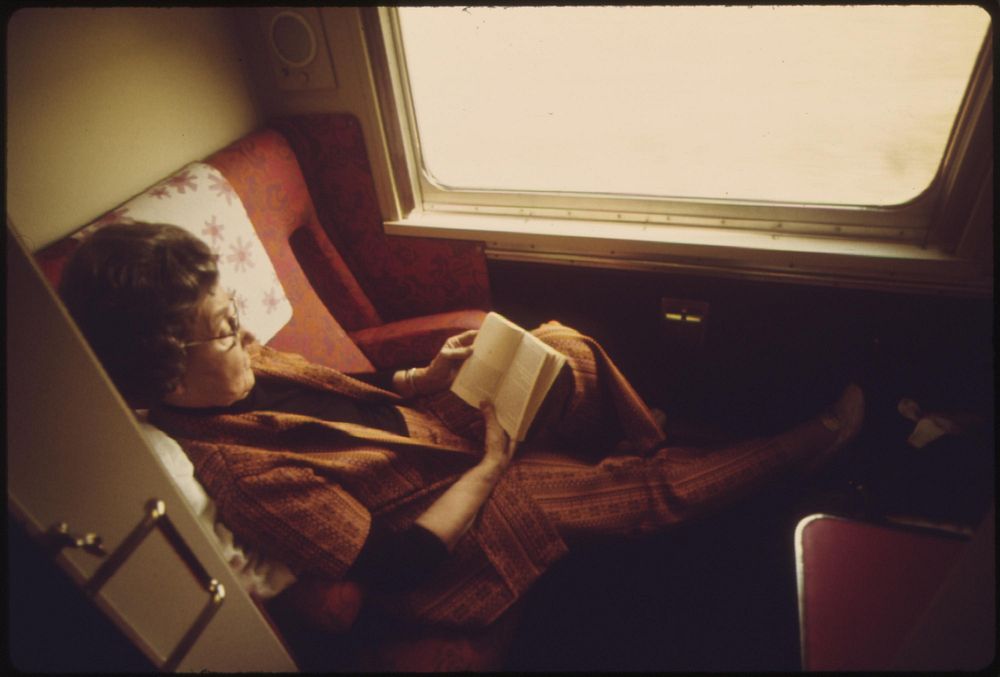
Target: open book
[512,369]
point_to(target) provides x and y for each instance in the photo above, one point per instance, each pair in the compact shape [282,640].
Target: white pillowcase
[261,577]
[200,200]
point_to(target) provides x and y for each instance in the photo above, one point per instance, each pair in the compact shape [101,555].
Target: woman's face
[217,372]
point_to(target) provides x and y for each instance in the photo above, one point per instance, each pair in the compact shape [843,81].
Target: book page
[492,352]
[515,391]
[554,362]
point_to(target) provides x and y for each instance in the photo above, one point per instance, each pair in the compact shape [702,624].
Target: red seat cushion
[414,341]
[862,588]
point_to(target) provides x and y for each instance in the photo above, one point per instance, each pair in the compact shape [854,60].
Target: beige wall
[354,92]
[102,103]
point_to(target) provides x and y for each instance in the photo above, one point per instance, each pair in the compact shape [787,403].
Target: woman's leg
[592,406]
[595,407]
[582,412]
[632,496]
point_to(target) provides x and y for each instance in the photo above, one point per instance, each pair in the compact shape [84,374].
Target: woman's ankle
[844,419]
[847,414]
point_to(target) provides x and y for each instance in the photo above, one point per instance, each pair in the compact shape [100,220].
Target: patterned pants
[632,495]
[588,493]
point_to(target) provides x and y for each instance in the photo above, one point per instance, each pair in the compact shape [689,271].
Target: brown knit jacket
[304,490]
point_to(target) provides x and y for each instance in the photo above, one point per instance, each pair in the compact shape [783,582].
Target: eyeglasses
[234,330]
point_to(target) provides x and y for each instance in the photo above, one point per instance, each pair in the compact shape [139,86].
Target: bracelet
[408,377]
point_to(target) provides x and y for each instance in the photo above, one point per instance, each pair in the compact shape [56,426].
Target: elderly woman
[388,478]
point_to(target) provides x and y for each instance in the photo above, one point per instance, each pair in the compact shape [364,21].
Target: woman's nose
[246,337]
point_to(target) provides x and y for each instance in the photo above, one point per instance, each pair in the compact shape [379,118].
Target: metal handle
[155,518]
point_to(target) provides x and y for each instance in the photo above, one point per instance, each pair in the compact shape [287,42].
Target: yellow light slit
[678,317]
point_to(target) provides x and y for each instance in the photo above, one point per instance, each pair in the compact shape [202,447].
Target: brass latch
[59,537]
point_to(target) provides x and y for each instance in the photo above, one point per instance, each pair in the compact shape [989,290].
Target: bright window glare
[837,105]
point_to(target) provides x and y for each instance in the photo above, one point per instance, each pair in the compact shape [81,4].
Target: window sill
[711,251]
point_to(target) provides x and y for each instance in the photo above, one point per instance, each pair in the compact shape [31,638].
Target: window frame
[926,223]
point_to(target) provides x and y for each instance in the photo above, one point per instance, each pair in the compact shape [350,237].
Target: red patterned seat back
[403,276]
[265,174]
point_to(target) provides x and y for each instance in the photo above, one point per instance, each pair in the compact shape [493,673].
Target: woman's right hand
[499,447]
[451,515]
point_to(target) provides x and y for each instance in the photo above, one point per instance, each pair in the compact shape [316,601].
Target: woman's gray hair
[134,290]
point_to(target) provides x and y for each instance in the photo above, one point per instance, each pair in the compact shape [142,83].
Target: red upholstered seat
[863,588]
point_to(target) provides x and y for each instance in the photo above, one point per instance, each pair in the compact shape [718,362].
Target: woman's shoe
[844,417]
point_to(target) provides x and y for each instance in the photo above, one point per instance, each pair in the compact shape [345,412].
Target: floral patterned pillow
[199,199]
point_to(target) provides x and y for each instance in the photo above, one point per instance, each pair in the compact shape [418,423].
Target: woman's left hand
[439,374]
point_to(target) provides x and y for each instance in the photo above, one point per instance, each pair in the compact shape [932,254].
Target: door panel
[75,455]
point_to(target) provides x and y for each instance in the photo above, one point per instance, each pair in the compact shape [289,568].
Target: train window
[831,120]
